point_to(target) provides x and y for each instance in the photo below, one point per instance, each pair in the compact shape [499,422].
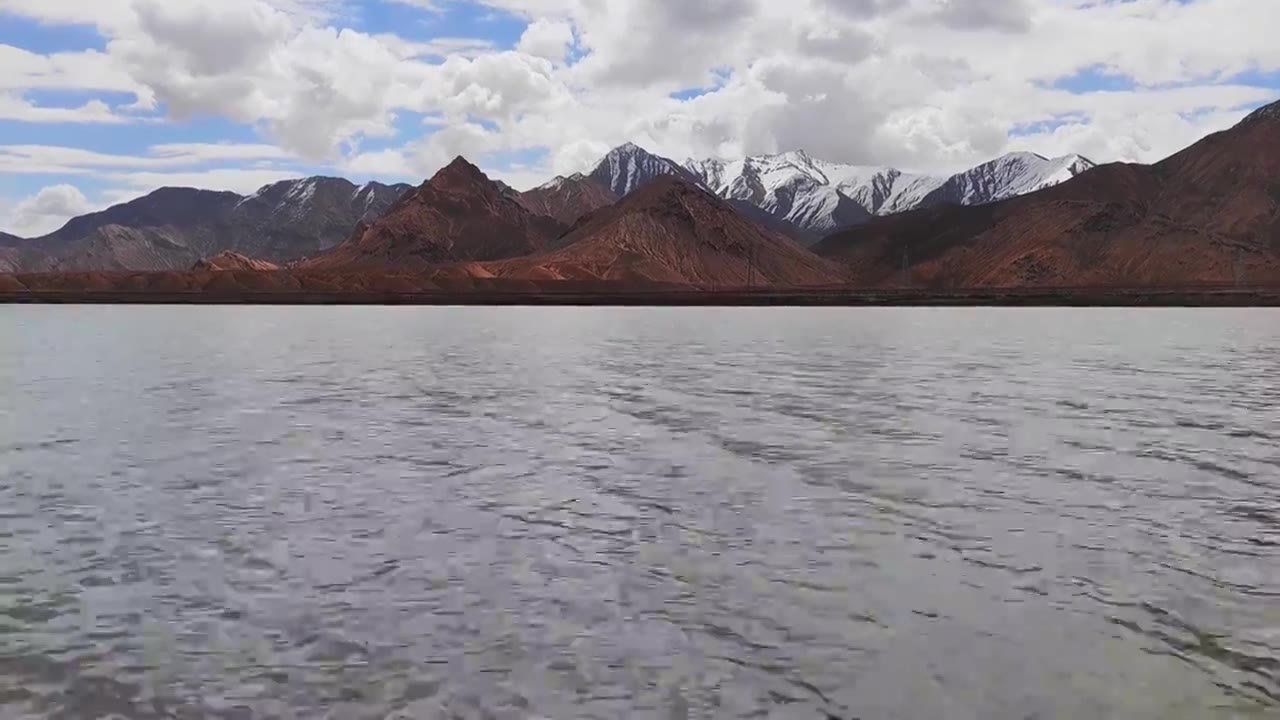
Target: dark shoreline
[1048,297]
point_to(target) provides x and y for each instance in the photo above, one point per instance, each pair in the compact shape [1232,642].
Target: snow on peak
[1266,112]
[368,191]
[820,196]
[1076,163]
[710,171]
[555,183]
[301,192]
[1016,173]
[799,157]
[629,148]
[270,190]
[628,167]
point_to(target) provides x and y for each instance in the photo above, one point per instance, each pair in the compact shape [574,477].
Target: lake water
[639,513]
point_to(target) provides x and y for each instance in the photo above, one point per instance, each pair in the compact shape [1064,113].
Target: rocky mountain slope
[9,252]
[458,215]
[172,228]
[299,218]
[567,199]
[228,261]
[1209,214]
[673,231]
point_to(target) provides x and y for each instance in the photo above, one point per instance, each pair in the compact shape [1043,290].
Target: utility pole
[751,267]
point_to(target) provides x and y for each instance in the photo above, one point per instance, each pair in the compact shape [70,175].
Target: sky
[102,101]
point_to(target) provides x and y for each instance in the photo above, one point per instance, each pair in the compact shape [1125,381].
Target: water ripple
[554,513]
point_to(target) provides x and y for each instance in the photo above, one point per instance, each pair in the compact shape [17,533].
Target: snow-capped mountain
[810,197]
[629,167]
[293,200]
[791,186]
[298,218]
[821,197]
[1008,176]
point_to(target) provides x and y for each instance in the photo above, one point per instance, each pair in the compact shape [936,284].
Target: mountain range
[673,231]
[815,197]
[1207,215]
[172,228]
[292,220]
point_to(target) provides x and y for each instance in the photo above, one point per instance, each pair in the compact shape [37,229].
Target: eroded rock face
[226,261]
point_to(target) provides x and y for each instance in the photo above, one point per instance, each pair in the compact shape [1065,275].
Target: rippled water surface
[609,513]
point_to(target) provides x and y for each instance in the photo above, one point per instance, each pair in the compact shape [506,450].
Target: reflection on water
[703,513]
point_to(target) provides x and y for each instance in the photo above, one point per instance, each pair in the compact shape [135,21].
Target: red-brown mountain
[458,215]
[675,232]
[567,199]
[1209,214]
[228,260]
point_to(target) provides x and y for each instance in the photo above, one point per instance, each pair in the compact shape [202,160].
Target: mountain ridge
[824,197]
[568,199]
[1209,214]
[673,231]
[172,227]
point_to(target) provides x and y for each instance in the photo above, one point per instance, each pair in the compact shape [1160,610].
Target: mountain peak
[461,168]
[1077,163]
[459,215]
[1020,156]
[629,167]
[554,183]
[800,156]
[629,149]
[1269,112]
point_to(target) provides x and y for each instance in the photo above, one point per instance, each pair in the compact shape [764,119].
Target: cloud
[547,39]
[46,211]
[49,159]
[16,107]
[87,70]
[1004,15]
[919,84]
[238,180]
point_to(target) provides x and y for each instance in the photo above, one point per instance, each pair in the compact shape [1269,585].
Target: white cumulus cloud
[927,85]
[47,210]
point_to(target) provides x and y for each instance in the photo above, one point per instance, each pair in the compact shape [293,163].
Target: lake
[272,512]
